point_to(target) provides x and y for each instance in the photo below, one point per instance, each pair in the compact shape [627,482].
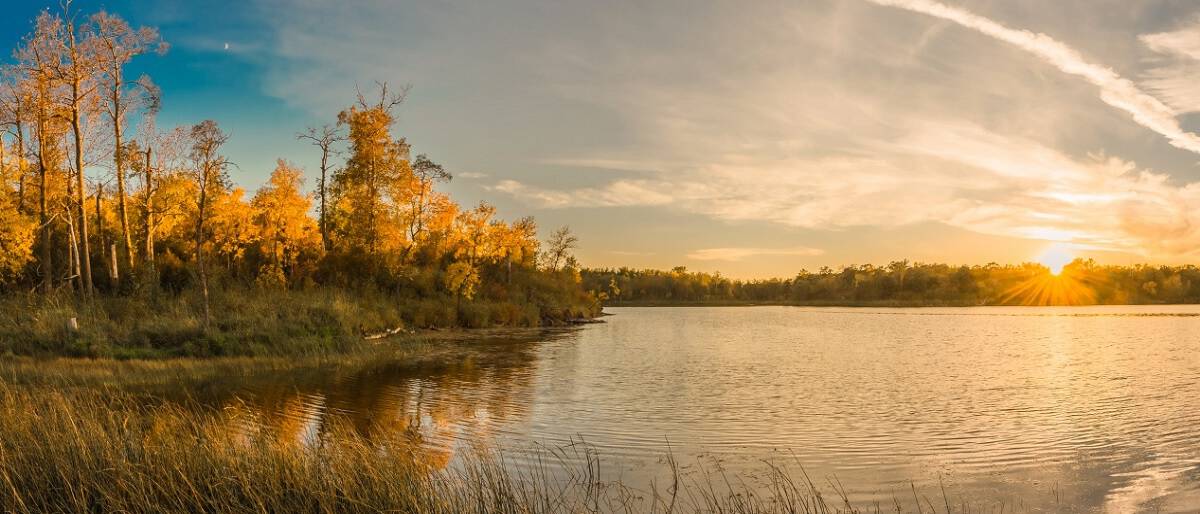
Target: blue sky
[754,138]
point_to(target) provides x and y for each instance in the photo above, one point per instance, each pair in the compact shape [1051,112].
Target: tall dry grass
[78,449]
[125,436]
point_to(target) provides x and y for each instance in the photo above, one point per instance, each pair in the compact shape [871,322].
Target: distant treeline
[1082,282]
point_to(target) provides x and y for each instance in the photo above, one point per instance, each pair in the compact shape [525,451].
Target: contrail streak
[1115,90]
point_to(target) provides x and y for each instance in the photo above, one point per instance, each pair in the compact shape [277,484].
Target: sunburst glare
[1055,257]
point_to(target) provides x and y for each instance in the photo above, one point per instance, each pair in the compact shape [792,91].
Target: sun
[1055,257]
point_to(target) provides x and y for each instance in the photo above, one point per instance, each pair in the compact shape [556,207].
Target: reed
[84,449]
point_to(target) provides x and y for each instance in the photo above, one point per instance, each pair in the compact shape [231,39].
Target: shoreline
[870,305]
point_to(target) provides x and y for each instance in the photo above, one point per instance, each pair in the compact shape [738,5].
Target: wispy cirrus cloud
[611,164]
[1115,90]
[622,193]
[1177,66]
[782,116]
[740,253]
[958,174]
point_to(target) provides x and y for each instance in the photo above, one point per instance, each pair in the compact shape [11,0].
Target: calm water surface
[1091,409]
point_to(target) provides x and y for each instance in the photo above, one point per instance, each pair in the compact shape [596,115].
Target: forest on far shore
[901,283]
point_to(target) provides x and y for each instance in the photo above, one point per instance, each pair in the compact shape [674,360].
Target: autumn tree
[516,242]
[155,158]
[367,189]
[37,61]
[14,115]
[281,215]
[559,246]
[16,236]
[209,172]
[473,228]
[116,45]
[75,66]
[461,279]
[231,228]
[422,199]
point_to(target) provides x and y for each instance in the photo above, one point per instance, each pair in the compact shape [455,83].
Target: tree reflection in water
[429,406]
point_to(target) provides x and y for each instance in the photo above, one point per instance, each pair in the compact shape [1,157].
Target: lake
[1088,409]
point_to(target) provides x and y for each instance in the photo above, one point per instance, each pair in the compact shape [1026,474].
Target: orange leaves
[281,215]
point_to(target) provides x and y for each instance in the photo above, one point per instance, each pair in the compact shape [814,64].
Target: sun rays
[1069,283]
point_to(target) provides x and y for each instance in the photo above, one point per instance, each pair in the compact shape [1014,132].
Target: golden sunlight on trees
[75,66]
[90,182]
[116,44]
[423,202]
[368,190]
[285,230]
[16,234]
[40,89]
[461,279]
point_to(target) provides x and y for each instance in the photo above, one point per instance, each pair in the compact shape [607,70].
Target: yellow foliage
[370,193]
[230,224]
[281,216]
[16,239]
[175,207]
[461,279]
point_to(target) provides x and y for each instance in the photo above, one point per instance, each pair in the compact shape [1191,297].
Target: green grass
[246,322]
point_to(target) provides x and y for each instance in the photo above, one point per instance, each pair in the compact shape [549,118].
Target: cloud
[1115,90]
[622,193]
[737,254]
[471,175]
[827,115]
[1177,66]
[946,172]
[611,164]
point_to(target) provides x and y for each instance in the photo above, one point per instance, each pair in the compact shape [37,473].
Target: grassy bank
[75,440]
[246,322]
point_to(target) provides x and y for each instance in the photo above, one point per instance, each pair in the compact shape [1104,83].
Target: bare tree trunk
[114,271]
[47,257]
[103,245]
[371,227]
[73,249]
[149,249]
[120,172]
[200,247]
[323,138]
[20,169]
[84,254]
[324,221]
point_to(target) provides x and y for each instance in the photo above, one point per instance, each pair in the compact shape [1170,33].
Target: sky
[753,138]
